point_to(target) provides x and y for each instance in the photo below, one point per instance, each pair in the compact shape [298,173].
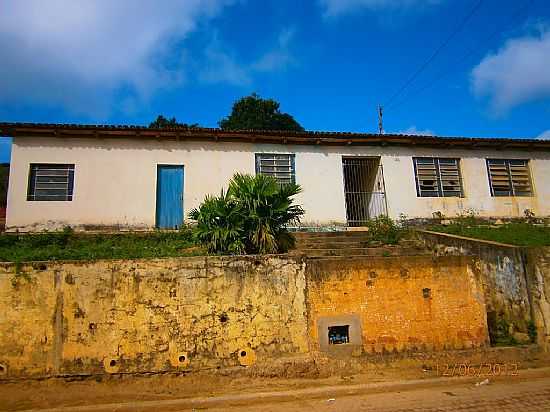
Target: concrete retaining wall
[188,314]
[515,280]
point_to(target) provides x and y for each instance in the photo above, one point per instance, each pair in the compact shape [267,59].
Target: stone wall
[188,314]
[396,304]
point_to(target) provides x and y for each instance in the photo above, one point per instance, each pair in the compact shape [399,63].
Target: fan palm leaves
[252,216]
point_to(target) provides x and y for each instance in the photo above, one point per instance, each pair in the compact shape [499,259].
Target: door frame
[379,169]
[157,167]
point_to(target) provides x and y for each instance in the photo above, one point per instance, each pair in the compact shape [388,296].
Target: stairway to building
[352,244]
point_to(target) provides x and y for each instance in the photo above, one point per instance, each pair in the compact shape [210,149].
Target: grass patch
[70,246]
[520,234]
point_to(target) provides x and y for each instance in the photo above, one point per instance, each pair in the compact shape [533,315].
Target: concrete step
[324,235]
[330,244]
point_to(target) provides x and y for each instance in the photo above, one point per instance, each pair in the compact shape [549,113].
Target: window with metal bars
[280,166]
[437,177]
[509,177]
[51,182]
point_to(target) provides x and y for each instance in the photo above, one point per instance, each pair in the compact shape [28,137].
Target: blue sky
[329,63]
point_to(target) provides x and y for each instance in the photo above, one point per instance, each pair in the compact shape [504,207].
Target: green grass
[520,234]
[70,246]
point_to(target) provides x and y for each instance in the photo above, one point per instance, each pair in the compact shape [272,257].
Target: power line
[444,73]
[456,30]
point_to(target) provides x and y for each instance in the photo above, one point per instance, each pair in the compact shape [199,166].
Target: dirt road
[497,397]
[529,391]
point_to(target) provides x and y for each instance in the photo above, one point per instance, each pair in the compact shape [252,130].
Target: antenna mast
[380,120]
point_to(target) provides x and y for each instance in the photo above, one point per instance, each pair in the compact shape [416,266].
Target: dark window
[51,182]
[338,335]
[437,177]
[280,166]
[509,177]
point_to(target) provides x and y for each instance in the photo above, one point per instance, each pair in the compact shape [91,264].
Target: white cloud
[333,8]
[544,135]
[280,57]
[80,54]
[414,131]
[222,66]
[518,73]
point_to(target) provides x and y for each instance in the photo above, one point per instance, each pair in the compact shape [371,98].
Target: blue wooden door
[169,196]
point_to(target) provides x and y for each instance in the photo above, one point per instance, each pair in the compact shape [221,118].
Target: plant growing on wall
[252,217]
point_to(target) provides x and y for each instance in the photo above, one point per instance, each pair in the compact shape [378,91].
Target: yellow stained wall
[204,312]
[144,315]
[387,295]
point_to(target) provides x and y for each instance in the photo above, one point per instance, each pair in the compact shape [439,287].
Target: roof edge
[260,136]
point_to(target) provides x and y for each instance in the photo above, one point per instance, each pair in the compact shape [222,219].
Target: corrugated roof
[260,136]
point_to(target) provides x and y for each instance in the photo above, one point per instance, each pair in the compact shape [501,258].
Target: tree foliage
[251,217]
[254,113]
[162,122]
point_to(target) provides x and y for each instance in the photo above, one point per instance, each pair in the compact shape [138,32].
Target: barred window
[280,166]
[437,177]
[50,182]
[509,177]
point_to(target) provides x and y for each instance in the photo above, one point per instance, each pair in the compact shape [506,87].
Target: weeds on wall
[385,230]
[67,245]
[499,333]
[526,231]
[532,331]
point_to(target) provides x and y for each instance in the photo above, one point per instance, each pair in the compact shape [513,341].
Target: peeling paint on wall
[200,313]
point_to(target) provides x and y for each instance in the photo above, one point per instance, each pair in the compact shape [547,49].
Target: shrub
[220,224]
[384,229]
[252,217]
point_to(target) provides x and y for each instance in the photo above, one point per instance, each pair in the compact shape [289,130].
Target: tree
[162,122]
[251,217]
[254,113]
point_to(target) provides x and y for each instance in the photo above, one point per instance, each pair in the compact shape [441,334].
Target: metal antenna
[380,121]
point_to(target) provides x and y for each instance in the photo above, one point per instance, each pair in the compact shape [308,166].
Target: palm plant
[219,224]
[251,217]
[268,208]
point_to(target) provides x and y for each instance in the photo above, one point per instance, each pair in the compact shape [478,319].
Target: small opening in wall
[112,363]
[224,318]
[2,369]
[182,358]
[243,353]
[338,335]
[426,292]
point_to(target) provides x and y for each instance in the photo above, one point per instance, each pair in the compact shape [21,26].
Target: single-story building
[140,178]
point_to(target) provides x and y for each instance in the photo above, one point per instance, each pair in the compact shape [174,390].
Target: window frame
[32,182]
[440,192]
[512,190]
[292,166]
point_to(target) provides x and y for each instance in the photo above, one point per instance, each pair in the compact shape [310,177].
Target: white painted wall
[115,179]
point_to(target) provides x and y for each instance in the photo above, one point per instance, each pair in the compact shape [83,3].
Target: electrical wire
[444,73]
[456,30]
